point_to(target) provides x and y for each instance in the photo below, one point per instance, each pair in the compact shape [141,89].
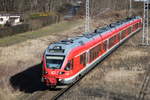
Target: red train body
[67,60]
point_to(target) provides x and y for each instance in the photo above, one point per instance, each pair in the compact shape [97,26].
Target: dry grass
[49,30]
[6,93]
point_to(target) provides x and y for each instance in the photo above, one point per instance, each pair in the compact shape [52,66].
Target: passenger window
[123,34]
[140,24]
[111,41]
[105,45]
[83,59]
[129,30]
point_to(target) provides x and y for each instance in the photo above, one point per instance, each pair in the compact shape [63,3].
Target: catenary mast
[87,19]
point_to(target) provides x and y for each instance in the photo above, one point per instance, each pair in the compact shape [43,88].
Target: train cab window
[54,62]
[69,65]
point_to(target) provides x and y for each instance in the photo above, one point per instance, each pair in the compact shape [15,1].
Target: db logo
[53,72]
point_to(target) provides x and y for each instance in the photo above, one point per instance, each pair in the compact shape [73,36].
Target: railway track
[66,89]
[145,85]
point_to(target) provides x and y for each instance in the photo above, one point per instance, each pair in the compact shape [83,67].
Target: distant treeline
[31,5]
[55,5]
[45,12]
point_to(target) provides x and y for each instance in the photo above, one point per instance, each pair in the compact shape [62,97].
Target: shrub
[42,14]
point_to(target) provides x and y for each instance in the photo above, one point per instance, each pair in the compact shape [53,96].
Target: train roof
[64,46]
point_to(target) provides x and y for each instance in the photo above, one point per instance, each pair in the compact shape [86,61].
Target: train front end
[53,61]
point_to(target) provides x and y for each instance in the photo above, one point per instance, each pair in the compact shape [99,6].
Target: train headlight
[60,73]
[60,79]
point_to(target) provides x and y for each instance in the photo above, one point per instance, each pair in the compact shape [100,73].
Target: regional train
[65,61]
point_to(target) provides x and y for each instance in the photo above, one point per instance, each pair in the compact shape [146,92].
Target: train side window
[83,59]
[135,26]
[123,34]
[105,45]
[69,66]
[118,36]
[94,52]
[112,41]
[140,24]
[129,30]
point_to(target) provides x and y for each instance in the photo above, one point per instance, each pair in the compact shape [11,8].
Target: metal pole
[143,35]
[87,19]
[147,22]
[130,10]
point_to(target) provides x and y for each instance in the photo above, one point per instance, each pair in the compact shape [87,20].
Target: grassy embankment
[49,30]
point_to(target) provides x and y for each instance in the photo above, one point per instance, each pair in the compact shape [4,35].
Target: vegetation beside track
[49,30]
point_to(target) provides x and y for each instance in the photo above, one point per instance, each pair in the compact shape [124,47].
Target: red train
[67,60]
